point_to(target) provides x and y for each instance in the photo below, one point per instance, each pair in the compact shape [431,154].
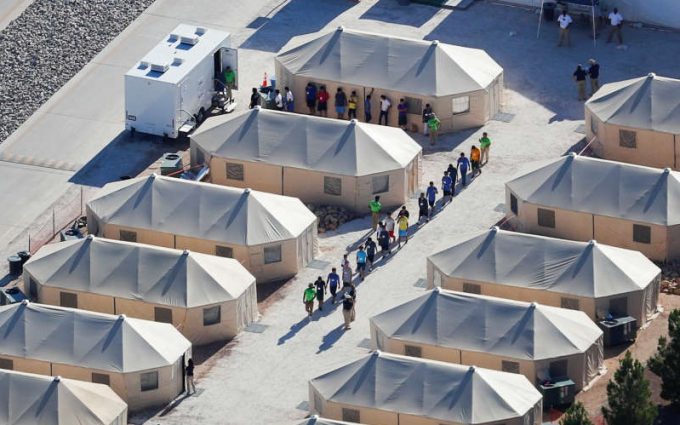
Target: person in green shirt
[484,145]
[375,207]
[308,299]
[433,125]
[229,81]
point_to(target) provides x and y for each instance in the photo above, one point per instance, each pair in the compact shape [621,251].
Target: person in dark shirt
[348,313]
[254,98]
[320,291]
[594,74]
[384,240]
[453,173]
[371,250]
[189,372]
[340,103]
[580,78]
[423,211]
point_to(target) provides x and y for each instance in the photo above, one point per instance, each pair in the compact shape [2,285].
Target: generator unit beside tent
[171,89]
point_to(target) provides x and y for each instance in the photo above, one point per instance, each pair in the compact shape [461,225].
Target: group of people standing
[581,74]
[615,25]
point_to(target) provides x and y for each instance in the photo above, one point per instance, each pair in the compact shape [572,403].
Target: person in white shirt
[290,100]
[615,22]
[278,100]
[385,105]
[565,22]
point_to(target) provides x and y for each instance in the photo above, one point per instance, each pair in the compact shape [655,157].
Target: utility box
[171,89]
[172,163]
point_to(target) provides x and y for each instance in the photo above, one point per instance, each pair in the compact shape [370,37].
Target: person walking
[371,250]
[427,111]
[404,211]
[463,166]
[484,146]
[352,104]
[229,82]
[389,226]
[433,125]
[254,98]
[346,274]
[384,240]
[615,25]
[431,198]
[308,299]
[475,155]
[310,97]
[565,22]
[402,114]
[189,372]
[333,280]
[278,100]
[580,78]
[367,107]
[422,208]
[320,291]
[447,185]
[453,173]
[340,103]
[402,224]
[594,75]
[362,257]
[322,101]
[385,106]
[375,206]
[289,100]
[348,312]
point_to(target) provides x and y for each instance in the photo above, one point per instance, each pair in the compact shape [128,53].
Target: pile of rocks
[330,216]
[670,271]
[48,44]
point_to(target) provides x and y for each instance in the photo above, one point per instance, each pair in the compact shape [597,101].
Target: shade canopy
[586,269]
[648,103]
[28,399]
[600,187]
[420,67]
[139,272]
[202,210]
[435,390]
[307,142]
[90,340]
[515,329]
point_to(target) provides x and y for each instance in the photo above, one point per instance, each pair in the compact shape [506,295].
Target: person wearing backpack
[361,262]
[348,312]
[371,250]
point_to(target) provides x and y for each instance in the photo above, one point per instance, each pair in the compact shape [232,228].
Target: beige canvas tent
[315,420]
[583,198]
[387,389]
[28,399]
[594,278]
[537,341]
[637,121]
[205,297]
[319,160]
[272,236]
[463,85]
[142,361]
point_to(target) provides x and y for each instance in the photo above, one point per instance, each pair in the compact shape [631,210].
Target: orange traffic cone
[264,81]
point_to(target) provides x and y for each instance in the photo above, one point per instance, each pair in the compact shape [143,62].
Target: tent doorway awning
[590,4]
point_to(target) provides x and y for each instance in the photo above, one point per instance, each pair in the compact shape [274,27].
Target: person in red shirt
[322,101]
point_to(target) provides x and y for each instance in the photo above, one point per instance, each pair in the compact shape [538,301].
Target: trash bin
[549,11]
[24,255]
[15,266]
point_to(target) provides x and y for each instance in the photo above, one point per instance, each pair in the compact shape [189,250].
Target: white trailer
[173,87]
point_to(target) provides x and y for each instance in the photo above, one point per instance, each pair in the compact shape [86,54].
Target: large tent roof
[600,187]
[301,141]
[586,269]
[426,68]
[91,340]
[28,399]
[140,272]
[436,390]
[514,329]
[648,103]
[202,210]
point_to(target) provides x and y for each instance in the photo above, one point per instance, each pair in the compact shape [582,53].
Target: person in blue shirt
[431,193]
[367,107]
[361,262]
[310,97]
[447,184]
[333,282]
[463,167]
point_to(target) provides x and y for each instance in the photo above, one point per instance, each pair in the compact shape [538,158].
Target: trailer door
[230,58]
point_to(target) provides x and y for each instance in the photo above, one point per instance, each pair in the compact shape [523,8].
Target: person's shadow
[331,338]
[294,329]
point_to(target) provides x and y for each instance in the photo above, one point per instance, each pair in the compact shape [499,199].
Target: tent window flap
[511,367]
[627,139]
[148,381]
[128,236]
[163,315]
[7,364]
[472,288]
[212,315]
[381,184]
[642,234]
[513,204]
[569,303]
[272,254]
[413,351]
[224,251]
[100,378]
[460,105]
[558,369]
[332,186]
[546,218]
[235,172]
[415,106]
[350,415]
[67,299]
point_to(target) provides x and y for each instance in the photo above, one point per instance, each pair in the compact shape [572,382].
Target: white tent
[294,155]
[551,271]
[133,278]
[380,388]
[583,198]
[490,332]
[271,235]
[28,399]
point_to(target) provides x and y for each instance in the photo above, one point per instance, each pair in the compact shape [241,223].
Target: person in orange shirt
[474,160]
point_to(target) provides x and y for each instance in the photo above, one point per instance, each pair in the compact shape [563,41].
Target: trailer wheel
[200,116]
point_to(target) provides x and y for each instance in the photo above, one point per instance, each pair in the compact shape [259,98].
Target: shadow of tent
[390,11]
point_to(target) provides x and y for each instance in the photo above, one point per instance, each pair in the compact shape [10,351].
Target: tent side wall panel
[257,176]
[368,416]
[308,186]
[443,354]
[619,232]
[229,326]
[169,386]
[116,380]
[145,236]
[572,225]
[86,301]
[673,240]
[22,364]
[286,268]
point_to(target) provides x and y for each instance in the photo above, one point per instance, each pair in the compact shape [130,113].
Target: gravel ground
[48,44]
